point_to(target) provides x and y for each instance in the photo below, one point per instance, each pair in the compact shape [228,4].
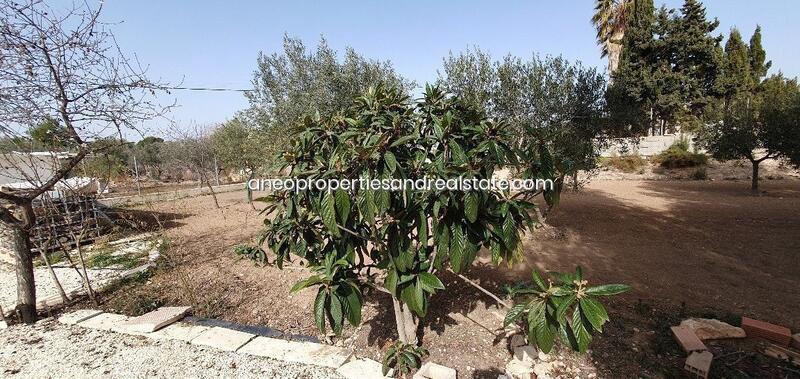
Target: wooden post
[136,169]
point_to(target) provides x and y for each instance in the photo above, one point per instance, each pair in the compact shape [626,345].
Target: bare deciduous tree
[61,64]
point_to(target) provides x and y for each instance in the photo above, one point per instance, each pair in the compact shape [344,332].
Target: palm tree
[609,20]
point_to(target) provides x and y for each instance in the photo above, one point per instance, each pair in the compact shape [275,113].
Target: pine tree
[631,96]
[692,52]
[738,79]
[758,64]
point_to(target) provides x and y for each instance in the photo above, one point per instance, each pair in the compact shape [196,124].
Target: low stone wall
[647,146]
[167,196]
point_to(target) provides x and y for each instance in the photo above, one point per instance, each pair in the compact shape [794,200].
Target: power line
[214,89]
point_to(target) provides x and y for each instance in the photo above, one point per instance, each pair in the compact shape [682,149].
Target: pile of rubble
[690,334]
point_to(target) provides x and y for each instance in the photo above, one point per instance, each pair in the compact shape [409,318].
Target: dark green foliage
[408,235]
[50,135]
[758,57]
[563,308]
[254,253]
[403,358]
[669,69]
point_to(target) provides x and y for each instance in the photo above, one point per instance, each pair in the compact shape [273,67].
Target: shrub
[403,358]
[547,309]
[700,174]
[626,163]
[679,156]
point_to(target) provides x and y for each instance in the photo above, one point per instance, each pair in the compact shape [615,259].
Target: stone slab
[430,370]
[73,318]
[222,339]
[105,321]
[363,368]
[317,354]
[266,347]
[179,331]
[3,325]
[687,339]
[155,320]
[710,329]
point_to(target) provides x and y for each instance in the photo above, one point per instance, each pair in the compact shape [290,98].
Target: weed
[626,163]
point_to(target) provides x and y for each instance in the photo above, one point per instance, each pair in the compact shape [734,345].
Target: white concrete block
[152,321]
[179,331]
[266,347]
[73,318]
[431,370]
[317,354]
[362,368]
[223,339]
[105,321]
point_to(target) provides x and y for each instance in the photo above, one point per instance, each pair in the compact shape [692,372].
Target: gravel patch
[49,349]
[45,286]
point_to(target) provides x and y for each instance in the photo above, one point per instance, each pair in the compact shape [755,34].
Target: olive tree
[408,236]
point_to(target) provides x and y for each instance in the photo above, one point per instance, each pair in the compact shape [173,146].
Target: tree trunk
[614,47]
[754,186]
[26,285]
[407,322]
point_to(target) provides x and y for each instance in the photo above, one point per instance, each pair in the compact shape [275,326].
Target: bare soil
[688,248]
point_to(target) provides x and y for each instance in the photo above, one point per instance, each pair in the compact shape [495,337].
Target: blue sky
[215,43]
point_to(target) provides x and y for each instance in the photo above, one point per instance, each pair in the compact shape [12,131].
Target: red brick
[781,335]
[687,339]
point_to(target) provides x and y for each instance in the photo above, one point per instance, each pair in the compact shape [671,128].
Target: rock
[525,353]
[543,357]
[515,341]
[516,369]
[431,370]
[796,341]
[3,325]
[542,370]
[711,329]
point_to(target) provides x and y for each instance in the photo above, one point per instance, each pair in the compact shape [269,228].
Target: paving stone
[3,325]
[223,339]
[179,331]
[687,339]
[362,368]
[781,335]
[517,369]
[73,318]
[699,363]
[431,370]
[266,347]
[317,354]
[152,321]
[105,321]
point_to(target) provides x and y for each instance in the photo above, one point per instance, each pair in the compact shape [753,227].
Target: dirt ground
[688,248]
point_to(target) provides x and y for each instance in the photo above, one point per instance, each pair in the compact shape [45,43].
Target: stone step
[155,320]
[179,331]
[73,318]
[362,368]
[104,321]
[223,339]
